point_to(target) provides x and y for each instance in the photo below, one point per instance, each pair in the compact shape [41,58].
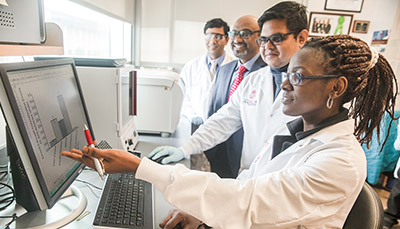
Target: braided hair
[372,85]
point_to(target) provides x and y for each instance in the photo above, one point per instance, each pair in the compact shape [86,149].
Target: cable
[8,200]
[3,174]
[90,186]
[7,172]
[92,190]
[13,216]
[89,169]
[87,183]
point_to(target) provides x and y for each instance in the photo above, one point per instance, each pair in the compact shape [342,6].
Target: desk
[146,144]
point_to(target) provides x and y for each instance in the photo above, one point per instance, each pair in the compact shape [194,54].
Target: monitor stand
[63,212]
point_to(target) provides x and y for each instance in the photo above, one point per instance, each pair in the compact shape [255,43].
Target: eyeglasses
[276,39]
[296,78]
[245,33]
[217,36]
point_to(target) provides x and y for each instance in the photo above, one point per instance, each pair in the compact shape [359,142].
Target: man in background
[197,78]
[256,104]
[225,158]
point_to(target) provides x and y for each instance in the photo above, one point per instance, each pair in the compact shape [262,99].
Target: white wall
[172,30]
[392,52]
[120,9]
[381,14]
[189,17]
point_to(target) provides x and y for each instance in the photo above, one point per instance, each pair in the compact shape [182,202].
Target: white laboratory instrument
[159,101]
[109,93]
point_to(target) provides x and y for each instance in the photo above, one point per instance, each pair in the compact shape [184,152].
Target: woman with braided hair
[370,76]
[309,174]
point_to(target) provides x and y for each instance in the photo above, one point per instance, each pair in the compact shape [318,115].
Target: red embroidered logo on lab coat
[252,99]
[253,94]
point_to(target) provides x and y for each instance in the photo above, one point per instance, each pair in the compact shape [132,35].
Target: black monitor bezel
[9,67]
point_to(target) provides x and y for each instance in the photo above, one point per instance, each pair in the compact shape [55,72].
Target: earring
[329,102]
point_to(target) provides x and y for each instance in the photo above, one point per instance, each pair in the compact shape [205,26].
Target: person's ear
[302,37]
[340,87]
[227,39]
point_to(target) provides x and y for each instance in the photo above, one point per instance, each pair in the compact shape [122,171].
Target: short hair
[216,23]
[294,14]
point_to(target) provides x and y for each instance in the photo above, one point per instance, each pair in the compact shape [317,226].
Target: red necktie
[237,81]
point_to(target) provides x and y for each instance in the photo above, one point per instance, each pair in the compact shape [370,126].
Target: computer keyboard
[125,202]
[103,145]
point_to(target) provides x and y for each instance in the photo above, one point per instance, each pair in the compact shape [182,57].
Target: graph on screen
[54,125]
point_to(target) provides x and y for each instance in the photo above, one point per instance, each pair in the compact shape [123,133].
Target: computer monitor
[45,113]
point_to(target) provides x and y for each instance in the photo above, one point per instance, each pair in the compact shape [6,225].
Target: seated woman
[311,173]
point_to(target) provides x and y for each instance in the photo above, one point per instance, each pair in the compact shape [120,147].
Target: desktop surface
[146,144]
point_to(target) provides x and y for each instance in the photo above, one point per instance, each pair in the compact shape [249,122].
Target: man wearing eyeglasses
[225,157]
[197,76]
[256,104]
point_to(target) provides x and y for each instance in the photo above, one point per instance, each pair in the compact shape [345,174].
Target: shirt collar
[278,71]
[296,129]
[277,78]
[249,64]
[219,60]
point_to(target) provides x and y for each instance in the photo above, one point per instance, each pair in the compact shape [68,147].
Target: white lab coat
[397,147]
[251,106]
[314,184]
[196,83]
[396,170]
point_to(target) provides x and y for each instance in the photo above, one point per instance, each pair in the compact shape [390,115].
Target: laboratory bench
[89,177]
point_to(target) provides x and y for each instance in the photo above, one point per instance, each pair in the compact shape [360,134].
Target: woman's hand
[114,161]
[179,219]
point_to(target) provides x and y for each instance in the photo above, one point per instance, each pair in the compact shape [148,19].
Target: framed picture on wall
[360,26]
[324,24]
[344,5]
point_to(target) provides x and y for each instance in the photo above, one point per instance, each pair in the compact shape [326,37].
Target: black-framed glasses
[296,78]
[217,36]
[245,33]
[276,39]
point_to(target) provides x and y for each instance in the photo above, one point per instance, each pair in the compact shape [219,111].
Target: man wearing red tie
[225,158]
[256,104]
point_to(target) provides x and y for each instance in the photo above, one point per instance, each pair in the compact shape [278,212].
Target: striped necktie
[237,81]
[213,69]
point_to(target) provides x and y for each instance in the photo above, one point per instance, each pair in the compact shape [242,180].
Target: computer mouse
[158,160]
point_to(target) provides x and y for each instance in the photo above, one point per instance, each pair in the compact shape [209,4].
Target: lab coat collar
[296,127]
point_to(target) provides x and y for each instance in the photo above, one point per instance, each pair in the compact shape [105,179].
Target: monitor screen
[45,113]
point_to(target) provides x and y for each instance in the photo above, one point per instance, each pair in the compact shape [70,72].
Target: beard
[240,51]
[240,54]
